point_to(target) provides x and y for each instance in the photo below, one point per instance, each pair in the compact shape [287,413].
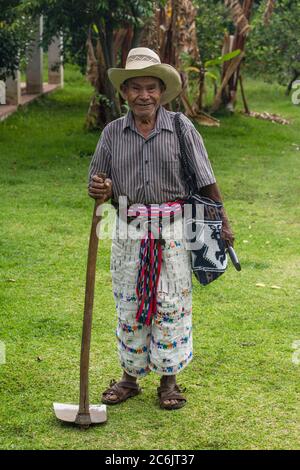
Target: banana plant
[210,69]
[212,63]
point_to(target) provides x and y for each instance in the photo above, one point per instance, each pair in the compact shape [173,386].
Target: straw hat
[143,62]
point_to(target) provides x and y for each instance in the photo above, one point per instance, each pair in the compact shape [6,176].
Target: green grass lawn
[242,386]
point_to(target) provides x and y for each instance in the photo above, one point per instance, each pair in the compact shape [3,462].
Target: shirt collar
[128,121]
[163,120]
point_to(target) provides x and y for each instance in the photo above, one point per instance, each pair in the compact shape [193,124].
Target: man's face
[143,95]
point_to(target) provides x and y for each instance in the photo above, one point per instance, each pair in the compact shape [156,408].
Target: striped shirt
[148,170]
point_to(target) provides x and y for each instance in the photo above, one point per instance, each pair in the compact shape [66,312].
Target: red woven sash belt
[150,255]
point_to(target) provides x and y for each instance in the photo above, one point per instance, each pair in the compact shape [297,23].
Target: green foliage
[15,34]
[75,19]
[212,20]
[210,69]
[274,50]
[223,58]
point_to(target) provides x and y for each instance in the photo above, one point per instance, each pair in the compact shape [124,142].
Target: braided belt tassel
[148,277]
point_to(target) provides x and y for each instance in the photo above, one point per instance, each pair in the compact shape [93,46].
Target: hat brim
[165,72]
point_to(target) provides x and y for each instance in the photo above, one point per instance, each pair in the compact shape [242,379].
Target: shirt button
[146,161]
[147,182]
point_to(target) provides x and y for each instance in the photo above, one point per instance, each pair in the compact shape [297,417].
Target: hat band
[140,58]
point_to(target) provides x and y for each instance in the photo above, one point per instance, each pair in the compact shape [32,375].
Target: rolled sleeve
[101,161]
[198,158]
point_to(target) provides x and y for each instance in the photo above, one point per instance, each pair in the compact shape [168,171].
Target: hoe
[85,414]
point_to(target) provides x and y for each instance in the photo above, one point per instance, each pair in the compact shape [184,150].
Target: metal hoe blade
[69,414]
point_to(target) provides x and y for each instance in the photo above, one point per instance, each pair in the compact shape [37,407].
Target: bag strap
[190,176]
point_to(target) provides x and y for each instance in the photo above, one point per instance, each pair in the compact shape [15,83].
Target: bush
[273,50]
[15,35]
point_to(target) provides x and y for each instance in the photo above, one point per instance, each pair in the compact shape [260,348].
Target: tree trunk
[231,69]
[241,16]
[104,106]
[296,74]
[246,107]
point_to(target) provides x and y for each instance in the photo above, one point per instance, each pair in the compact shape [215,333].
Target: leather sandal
[168,393]
[122,390]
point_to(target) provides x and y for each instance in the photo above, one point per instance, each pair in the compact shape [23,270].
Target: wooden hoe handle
[83,417]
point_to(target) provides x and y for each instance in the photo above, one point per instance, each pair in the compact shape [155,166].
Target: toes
[111,396]
[170,402]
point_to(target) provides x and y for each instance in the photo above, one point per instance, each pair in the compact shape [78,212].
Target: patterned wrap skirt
[164,346]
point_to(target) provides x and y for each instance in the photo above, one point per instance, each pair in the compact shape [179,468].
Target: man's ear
[123,88]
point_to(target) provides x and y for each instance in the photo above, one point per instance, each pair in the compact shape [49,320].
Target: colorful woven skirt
[164,345]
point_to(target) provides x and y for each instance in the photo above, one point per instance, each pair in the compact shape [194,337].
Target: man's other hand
[100,188]
[227,233]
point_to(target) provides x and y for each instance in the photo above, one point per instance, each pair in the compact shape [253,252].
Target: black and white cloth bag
[203,225]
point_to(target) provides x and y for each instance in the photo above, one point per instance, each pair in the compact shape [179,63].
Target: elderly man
[140,155]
